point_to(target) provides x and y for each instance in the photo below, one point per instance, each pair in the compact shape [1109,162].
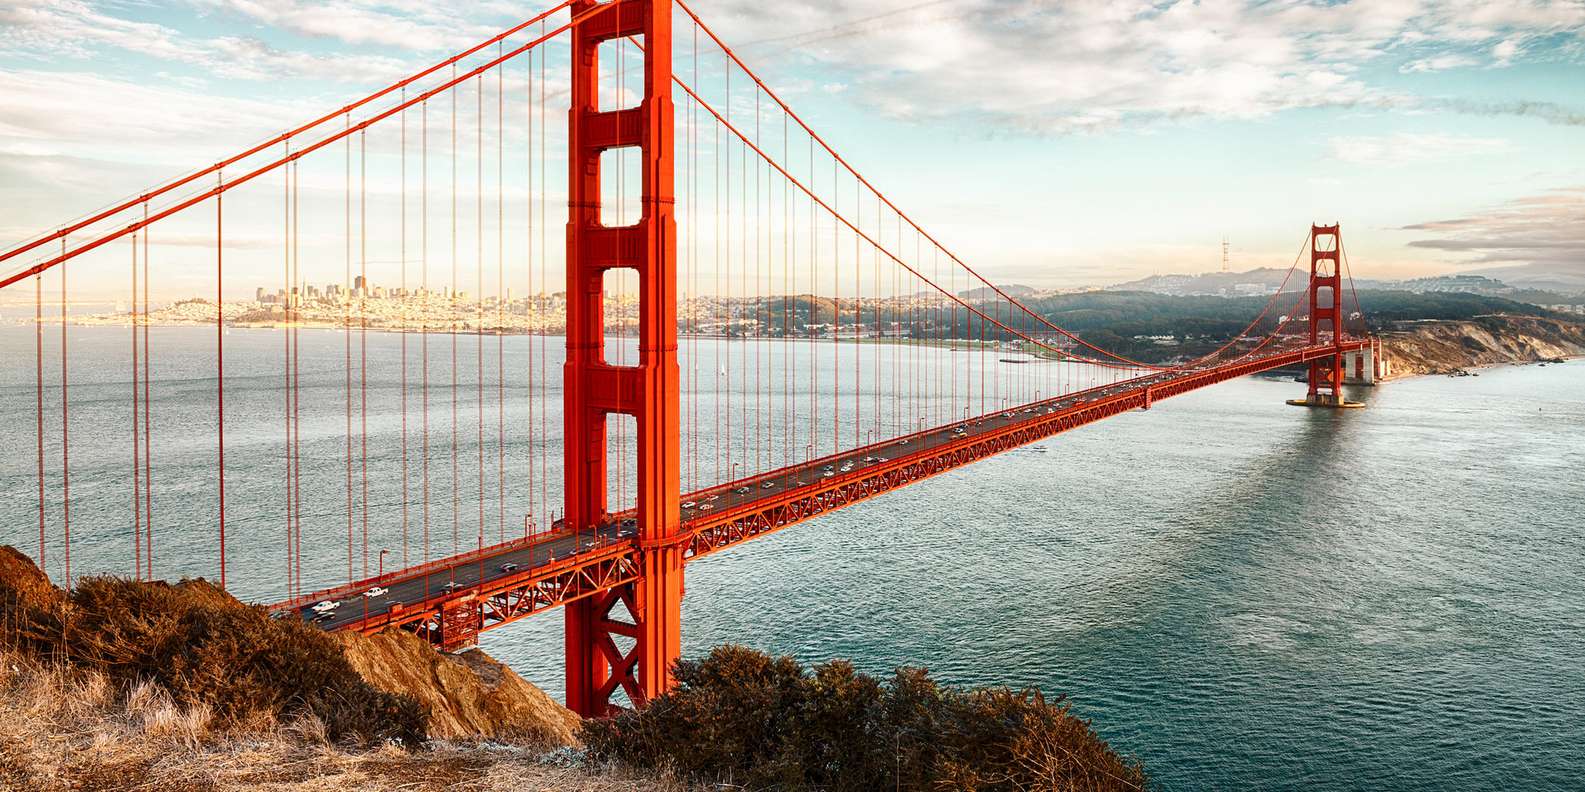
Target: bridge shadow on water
[1234,600]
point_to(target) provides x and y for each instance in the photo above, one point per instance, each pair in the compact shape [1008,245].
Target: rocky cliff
[1441,347]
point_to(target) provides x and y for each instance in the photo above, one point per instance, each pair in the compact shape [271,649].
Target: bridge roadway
[530,574]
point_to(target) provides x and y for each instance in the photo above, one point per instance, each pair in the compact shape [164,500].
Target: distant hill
[1539,289]
[1543,277]
[984,292]
[1264,280]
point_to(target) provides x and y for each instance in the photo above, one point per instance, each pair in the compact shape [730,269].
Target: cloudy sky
[1049,143]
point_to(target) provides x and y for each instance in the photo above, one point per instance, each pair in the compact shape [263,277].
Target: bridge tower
[1326,319]
[594,388]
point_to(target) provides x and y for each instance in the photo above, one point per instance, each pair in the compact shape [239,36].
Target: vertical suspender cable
[66,475]
[38,371]
[478,298]
[426,315]
[137,506]
[220,369]
[297,378]
[402,254]
[500,298]
[544,341]
[148,409]
[346,334]
[286,351]
[451,311]
[363,338]
[528,257]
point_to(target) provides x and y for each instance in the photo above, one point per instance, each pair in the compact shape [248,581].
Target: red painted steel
[618,563]
[620,570]
[594,388]
[1326,314]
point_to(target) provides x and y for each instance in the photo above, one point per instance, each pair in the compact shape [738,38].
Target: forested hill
[1158,327]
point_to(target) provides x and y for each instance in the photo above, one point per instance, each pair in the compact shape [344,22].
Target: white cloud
[1087,64]
[1406,148]
[50,30]
[1542,231]
[1451,60]
[401,24]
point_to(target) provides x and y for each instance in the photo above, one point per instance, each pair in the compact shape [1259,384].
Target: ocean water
[1243,594]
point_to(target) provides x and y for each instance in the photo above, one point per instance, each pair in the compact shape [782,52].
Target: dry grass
[215,657]
[67,729]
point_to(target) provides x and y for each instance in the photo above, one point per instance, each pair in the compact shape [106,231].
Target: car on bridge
[509,567]
[326,606]
[377,591]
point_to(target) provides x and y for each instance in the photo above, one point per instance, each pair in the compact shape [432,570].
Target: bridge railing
[438,565]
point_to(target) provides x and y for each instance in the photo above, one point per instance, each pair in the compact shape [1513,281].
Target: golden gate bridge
[845,352]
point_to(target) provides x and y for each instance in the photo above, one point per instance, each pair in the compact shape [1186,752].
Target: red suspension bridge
[754,335]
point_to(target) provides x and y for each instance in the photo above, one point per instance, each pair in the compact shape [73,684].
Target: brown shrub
[205,649]
[768,723]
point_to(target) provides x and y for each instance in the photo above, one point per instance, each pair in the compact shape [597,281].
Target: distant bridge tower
[594,388]
[1326,319]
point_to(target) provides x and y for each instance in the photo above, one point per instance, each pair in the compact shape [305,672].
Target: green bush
[768,723]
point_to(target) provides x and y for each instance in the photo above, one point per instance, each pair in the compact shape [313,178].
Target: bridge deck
[508,581]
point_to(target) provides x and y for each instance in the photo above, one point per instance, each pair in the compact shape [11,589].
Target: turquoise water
[1243,594]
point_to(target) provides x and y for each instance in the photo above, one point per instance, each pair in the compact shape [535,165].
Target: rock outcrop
[468,695]
[1443,347]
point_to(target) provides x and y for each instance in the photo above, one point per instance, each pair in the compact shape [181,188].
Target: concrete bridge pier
[1366,366]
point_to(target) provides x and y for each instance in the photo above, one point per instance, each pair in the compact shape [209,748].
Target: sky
[1049,144]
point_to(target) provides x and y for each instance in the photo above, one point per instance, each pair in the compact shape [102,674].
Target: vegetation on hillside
[1131,323]
[202,648]
[760,722]
[119,684]
[68,729]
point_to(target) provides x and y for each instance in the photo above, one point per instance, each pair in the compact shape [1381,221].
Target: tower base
[1335,405]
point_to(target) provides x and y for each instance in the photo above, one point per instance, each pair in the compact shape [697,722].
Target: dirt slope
[468,695]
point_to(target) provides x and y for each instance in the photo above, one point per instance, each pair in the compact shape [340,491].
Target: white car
[326,606]
[706,506]
[689,504]
[509,567]
[768,485]
[377,591]
[741,490]
[451,586]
